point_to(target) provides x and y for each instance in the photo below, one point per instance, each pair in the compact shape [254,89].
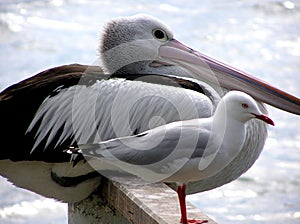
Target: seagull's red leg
[181,196]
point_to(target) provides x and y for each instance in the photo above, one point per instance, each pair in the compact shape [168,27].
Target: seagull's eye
[244,105]
[160,34]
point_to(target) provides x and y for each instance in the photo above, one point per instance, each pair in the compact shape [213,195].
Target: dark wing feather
[19,103]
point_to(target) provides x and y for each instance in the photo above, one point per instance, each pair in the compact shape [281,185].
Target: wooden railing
[135,202]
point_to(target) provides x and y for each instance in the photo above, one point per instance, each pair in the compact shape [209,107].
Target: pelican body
[85,91]
[142,85]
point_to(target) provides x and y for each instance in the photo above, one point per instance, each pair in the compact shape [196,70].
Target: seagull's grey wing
[163,143]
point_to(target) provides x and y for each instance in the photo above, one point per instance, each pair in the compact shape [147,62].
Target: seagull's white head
[242,107]
[131,44]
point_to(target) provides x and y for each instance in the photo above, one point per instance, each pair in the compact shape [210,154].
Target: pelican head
[130,45]
[144,44]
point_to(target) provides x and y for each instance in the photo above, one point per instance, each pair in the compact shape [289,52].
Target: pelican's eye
[244,105]
[159,34]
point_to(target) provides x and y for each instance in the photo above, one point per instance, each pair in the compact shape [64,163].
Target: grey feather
[83,114]
[172,144]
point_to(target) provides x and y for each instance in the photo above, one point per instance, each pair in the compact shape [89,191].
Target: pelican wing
[20,102]
[78,104]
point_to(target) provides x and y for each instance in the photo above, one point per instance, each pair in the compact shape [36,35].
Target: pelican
[181,151]
[147,79]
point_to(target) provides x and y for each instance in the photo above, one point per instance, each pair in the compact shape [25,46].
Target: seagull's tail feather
[76,153]
[89,150]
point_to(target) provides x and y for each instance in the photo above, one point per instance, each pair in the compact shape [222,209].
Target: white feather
[98,112]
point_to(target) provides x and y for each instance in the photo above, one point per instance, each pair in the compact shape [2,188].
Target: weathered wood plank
[132,201]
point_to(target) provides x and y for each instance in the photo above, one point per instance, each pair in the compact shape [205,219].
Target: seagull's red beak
[211,70]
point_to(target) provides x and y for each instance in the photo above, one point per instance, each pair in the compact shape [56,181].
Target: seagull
[147,79]
[181,151]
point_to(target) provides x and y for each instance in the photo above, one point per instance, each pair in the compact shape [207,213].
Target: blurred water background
[261,37]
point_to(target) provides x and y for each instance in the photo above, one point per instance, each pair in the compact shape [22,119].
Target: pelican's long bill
[209,69]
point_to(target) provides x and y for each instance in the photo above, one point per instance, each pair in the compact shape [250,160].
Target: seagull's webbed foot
[196,221]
